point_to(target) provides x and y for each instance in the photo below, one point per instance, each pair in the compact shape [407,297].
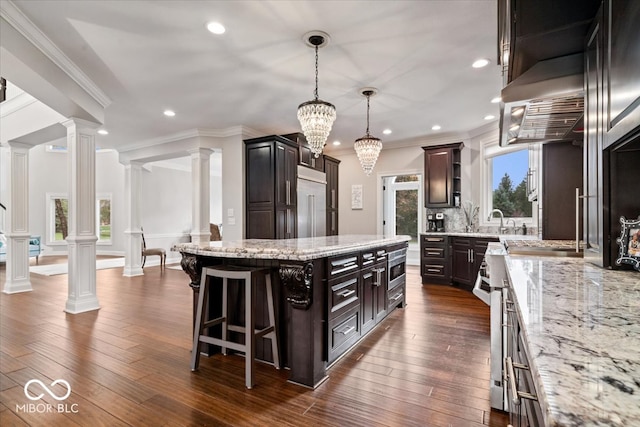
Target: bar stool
[248,276]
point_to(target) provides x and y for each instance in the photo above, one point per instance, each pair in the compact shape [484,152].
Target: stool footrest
[256,332]
[213,322]
[222,343]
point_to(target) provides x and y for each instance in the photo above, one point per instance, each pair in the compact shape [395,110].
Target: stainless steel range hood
[544,104]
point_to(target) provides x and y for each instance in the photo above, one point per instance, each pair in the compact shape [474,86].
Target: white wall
[392,161]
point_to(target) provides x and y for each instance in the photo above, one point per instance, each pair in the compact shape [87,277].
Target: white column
[17,233]
[132,232]
[200,194]
[81,240]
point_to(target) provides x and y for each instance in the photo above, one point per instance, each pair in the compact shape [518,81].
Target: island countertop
[582,328]
[302,249]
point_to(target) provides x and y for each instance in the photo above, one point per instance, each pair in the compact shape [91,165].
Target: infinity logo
[47,389]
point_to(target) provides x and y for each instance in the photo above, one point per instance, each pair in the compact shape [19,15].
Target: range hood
[545,103]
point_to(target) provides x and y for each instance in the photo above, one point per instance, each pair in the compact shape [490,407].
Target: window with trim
[58,213]
[510,181]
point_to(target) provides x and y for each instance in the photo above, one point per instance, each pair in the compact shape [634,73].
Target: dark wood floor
[128,363]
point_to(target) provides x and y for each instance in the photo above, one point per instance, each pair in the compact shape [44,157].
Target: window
[58,223]
[510,181]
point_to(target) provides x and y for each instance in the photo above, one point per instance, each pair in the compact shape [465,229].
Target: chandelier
[317,116]
[368,147]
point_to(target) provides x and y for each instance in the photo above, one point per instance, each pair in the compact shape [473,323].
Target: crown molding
[242,131]
[16,103]
[18,20]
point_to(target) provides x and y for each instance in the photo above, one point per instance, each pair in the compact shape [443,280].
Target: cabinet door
[438,178]
[381,292]
[331,170]
[593,155]
[368,280]
[462,262]
[286,175]
[260,163]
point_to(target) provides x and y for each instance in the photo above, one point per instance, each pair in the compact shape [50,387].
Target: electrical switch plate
[230,212]
[231,221]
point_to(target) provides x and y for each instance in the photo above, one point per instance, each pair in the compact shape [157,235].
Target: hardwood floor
[128,363]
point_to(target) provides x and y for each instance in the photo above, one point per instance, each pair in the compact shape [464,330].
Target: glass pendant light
[368,147]
[317,116]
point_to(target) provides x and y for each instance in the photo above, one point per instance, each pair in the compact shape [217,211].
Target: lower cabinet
[468,255]
[452,259]
[358,298]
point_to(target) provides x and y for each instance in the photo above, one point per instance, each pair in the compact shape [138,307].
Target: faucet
[502,227]
[514,225]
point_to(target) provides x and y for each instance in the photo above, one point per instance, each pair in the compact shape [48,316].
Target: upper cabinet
[331,166]
[621,35]
[305,156]
[442,172]
[271,188]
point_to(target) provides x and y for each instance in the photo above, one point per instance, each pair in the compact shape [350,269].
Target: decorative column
[81,240]
[132,232]
[17,233]
[200,195]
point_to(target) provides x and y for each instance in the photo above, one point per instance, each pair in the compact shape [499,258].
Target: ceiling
[148,56]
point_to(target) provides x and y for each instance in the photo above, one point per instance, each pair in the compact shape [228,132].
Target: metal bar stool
[248,276]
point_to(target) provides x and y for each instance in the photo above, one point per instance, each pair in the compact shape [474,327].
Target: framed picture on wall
[629,243]
[356,196]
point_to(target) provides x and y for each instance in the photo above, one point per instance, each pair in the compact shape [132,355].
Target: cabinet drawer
[344,264]
[368,259]
[438,270]
[344,331]
[344,294]
[395,297]
[434,240]
[433,252]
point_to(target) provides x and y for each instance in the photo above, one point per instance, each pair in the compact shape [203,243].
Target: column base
[82,305]
[132,272]
[17,287]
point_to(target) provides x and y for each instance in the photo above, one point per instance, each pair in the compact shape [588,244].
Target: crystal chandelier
[316,117]
[368,147]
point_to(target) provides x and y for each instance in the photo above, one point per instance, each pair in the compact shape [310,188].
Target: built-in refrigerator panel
[312,206]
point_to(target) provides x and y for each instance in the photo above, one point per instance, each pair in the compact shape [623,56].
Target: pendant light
[368,147]
[317,116]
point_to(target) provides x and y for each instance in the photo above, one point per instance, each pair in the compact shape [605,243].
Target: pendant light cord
[368,97]
[316,91]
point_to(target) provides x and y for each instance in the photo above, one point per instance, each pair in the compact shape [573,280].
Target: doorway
[402,210]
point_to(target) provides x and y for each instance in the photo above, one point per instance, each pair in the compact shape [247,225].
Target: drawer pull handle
[433,270]
[434,239]
[348,330]
[346,293]
[434,253]
[397,297]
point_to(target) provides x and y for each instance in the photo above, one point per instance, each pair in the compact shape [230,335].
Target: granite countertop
[502,237]
[302,249]
[582,329]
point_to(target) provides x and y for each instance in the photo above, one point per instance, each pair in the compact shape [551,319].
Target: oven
[397,267]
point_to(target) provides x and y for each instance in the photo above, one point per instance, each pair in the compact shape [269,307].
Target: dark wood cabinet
[331,167]
[373,277]
[467,257]
[305,156]
[562,174]
[435,259]
[271,188]
[442,171]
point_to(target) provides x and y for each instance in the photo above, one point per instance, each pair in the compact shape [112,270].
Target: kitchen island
[328,291]
[581,329]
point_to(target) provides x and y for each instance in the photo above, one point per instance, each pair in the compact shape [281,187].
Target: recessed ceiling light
[496,100]
[169,113]
[216,28]
[489,117]
[514,127]
[336,142]
[518,111]
[479,63]
[436,127]
[103,132]
[387,131]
